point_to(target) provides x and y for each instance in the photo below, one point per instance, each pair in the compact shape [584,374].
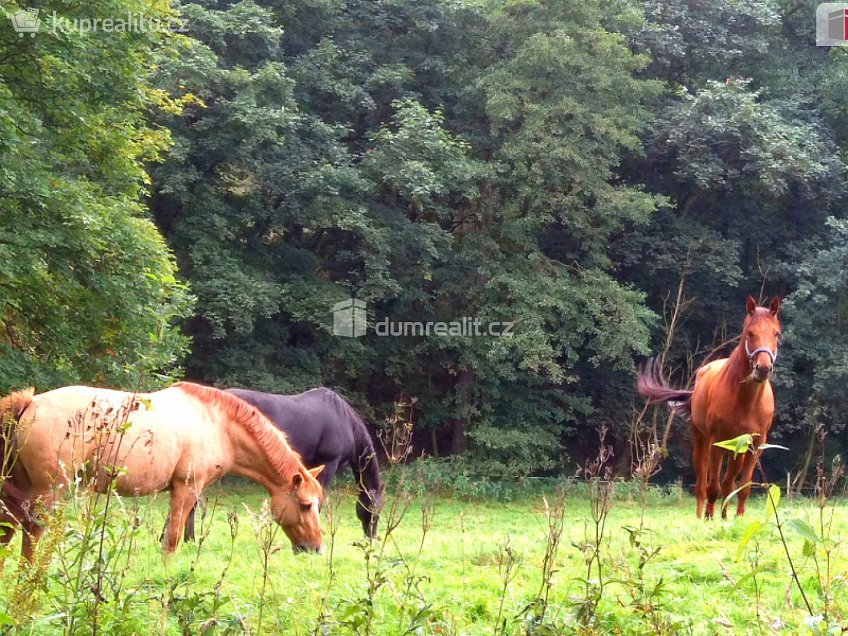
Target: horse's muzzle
[761,374]
[304,548]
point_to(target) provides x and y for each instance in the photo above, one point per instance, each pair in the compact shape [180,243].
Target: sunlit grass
[456,576]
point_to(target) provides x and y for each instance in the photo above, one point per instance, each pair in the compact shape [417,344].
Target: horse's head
[761,338]
[297,511]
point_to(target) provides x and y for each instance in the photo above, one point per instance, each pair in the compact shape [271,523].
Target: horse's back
[314,422]
[76,396]
[709,372]
[49,419]
[64,430]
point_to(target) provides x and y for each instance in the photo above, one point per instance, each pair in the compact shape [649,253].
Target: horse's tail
[653,387]
[13,479]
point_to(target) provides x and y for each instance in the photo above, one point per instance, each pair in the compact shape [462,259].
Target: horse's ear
[316,471]
[775,305]
[297,480]
[751,304]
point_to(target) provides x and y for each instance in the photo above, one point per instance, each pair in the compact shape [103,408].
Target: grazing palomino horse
[180,439]
[731,397]
[325,430]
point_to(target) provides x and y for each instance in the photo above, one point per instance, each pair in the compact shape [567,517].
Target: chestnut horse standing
[180,439]
[731,397]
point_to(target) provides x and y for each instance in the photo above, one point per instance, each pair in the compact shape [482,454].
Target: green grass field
[478,568]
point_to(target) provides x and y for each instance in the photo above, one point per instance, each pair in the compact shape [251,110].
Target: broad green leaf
[738,445]
[772,500]
[803,528]
[809,548]
[767,446]
[753,528]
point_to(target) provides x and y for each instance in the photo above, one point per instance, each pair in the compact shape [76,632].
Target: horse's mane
[366,459]
[268,437]
[349,414]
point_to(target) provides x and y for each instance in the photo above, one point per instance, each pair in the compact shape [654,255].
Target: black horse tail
[652,386]
[14,481]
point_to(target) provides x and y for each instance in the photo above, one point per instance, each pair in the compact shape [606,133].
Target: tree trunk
[434,445]
[459,441]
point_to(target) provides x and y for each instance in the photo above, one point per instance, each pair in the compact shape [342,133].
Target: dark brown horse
[731,397]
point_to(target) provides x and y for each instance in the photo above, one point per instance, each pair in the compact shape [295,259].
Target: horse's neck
[250,461]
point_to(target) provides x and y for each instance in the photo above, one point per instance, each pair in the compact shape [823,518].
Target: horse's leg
[183,499]
[326,475]
[370,500]
[734,465]
[368,514]
[188,534]
[713,480]
[700,459]
[746,476]
[7,532]
[32,530]
[366,509]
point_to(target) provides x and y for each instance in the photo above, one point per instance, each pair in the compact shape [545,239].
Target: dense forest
[614,177]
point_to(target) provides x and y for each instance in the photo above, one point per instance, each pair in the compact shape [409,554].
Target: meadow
[536,563]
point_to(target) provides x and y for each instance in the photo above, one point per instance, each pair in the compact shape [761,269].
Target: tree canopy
[88,288]
[564,167]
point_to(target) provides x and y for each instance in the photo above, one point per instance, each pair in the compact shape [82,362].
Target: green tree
[817,338]
[87,285]
[435,159]
[745,148]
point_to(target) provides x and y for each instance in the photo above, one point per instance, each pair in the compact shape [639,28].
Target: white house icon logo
[26,21]
[349,318]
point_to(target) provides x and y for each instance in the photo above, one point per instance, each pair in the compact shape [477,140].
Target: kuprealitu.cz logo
[26,21]
[29,22]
